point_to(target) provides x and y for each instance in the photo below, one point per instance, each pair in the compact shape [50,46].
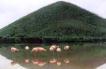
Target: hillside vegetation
[59,20]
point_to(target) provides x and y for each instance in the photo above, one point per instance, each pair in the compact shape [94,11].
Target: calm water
[79,56]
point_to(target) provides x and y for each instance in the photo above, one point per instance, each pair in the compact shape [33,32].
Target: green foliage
[59,20]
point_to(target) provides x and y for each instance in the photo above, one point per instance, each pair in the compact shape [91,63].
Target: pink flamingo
[41,63]
[38,49]
[59,63]
[58,49]
[53,61]
[26,54]
[35,62]
[67,61]
[66,47]
[26,61]
[27,48]
[13,49]
[53,49]
[38,62]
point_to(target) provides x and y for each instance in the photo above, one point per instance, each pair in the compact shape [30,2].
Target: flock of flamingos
[35,50]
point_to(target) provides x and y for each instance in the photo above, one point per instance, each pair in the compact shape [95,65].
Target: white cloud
[11,10]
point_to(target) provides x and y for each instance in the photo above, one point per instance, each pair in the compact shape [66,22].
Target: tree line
[48,40]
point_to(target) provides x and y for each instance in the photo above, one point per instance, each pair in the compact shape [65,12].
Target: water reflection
[61,56]
[42,62]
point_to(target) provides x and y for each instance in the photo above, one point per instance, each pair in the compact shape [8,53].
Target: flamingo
[59,63]
[67,61]
[53,49]
[26,53]
[27,61]
[13,49]
[53,61]
[27,48]
[41,63]
[35,62]
[38,49]
[58,49]
[38,62]
[53,46]
[66,47]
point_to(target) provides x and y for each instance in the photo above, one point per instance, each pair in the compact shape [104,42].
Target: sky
[12,10]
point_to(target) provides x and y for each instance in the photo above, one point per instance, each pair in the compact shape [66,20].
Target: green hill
[58,20]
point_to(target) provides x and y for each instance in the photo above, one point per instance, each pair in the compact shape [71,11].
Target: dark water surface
[80,55]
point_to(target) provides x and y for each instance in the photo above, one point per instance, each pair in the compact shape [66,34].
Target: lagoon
[81,56]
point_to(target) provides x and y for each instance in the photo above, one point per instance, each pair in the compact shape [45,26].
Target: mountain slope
[60,20]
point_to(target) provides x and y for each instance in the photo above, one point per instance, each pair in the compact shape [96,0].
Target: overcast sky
[11,10]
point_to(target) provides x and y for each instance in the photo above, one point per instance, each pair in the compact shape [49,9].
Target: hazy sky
[11,10]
